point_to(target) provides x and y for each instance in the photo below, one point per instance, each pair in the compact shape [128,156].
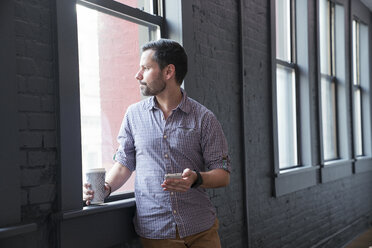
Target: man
[170,133]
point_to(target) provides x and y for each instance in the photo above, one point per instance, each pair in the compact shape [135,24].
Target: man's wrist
[198,181]
[109,189]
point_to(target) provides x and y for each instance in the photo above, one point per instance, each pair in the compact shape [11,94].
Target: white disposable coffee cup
[96,178]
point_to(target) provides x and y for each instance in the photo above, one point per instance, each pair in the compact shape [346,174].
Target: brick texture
[320,216]
[217,85]
[36,105]
[306,218]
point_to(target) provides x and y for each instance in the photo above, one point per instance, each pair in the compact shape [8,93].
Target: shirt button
[166,155]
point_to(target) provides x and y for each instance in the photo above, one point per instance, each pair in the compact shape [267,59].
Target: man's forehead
[146,56]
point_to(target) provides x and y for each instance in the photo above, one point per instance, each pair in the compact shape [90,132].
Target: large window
[360,89]
[109,52]
[332,67]
[286,84]
[98,46]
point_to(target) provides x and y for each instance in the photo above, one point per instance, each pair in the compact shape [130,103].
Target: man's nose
[139,75]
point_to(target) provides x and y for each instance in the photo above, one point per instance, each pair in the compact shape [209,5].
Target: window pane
[286,110]
[109,52]
[364,69]
[329,124]
[324,37]
[358,124]
[283,30]
[145,5]
[355,53]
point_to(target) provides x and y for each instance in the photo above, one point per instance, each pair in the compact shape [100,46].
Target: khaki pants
[206,239]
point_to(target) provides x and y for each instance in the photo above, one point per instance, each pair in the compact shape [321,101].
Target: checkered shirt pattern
[191,137]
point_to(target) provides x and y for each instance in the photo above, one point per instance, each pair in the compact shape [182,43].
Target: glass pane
[324,37]
[364,57]
[358,124]
[145,5]
[283,30]
[355,53]
[329,122]
[286,110]
[109,52]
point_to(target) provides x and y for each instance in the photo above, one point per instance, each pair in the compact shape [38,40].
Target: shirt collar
[184,104]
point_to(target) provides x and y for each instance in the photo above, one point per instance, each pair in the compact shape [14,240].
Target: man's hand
[180,185]
[88,193]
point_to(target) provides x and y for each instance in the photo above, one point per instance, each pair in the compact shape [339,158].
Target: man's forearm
[215,178]
[117,176]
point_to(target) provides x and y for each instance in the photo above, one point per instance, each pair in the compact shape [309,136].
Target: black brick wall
[217,85]
[36,82]
[302,219]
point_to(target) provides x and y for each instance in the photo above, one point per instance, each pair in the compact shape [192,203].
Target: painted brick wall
[37,117]
[302,219]
[308,217]
[217,85]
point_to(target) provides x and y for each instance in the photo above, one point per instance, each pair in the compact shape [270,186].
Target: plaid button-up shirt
[191,137]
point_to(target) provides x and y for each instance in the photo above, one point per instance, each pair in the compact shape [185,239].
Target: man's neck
[169,100]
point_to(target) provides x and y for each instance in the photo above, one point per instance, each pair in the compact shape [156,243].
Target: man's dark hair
[169,52]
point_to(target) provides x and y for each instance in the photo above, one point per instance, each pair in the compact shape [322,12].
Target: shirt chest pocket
[186,138]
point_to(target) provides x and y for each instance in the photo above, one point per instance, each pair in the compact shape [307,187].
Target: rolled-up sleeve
[214,144]
[126,153]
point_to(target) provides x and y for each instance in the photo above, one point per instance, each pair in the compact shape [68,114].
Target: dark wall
[326,215]
[36,110]
[217,85]
[231,64]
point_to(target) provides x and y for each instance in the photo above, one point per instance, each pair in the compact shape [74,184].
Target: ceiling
[367,3]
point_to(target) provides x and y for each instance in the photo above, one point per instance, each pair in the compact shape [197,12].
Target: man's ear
[169,71]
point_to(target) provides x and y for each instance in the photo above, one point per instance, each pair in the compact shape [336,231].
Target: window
[101,74]
[332,80]
[286,85]
[109,52]
[328,79]
[360,89]
[105,61]
[295,167]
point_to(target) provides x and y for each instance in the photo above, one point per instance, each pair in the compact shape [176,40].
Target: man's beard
[156,88]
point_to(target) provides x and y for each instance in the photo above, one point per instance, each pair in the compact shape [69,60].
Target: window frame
[70,197]
[356,85]
[332,79]
[305,174]
[362,163]
[341,166]
[290,65]
[115,217]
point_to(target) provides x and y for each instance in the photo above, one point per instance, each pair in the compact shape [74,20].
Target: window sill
[337,169]
[363,164]
[94,209]
[11,231]
[291,180]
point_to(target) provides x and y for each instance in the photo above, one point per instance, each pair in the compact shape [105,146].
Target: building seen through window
[109,52]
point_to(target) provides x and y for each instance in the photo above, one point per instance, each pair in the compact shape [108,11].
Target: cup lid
[91,170]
